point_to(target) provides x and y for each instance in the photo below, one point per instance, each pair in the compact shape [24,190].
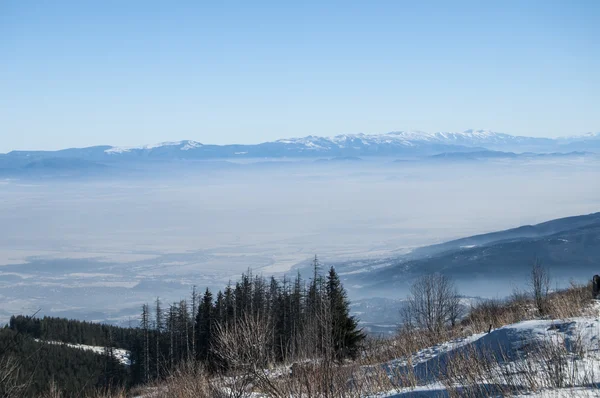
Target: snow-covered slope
[542,358]
[121,355]
[468,138]
[179,145]
[471,138]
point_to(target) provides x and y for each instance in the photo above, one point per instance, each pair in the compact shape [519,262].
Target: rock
[596,286]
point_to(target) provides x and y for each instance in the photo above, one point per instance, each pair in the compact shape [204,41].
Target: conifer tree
[158,326]
[219,313]
[204,326]
[194,311]
[145,326]
[229,303]
[346,336]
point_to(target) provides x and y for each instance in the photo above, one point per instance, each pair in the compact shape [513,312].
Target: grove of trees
[298,319]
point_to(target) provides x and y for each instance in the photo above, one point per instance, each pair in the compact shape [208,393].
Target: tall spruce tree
[145,326]
[346,336]
[158,327]
[204,326]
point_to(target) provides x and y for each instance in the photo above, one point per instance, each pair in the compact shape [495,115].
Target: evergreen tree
[229,303]
[219,313]
[158,329]
[194,311]
[346,336]
[204,326]
[145,326]
[183,320]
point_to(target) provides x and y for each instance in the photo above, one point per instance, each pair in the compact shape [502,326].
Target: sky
[82,73]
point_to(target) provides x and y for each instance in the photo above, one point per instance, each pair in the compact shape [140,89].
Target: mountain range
[394,144]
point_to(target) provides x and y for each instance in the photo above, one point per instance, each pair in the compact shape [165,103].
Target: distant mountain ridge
[487,154]
[569,247]
[400,143]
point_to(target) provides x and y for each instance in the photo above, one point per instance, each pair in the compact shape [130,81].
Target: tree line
[302,319]
[29,367]
[74,331]
[289,318]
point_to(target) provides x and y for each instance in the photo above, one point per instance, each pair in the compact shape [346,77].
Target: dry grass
[54,391]
[566,303]
[469,372]
[571,302]
[544,365]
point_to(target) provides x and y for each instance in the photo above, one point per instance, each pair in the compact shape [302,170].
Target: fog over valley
[97,248]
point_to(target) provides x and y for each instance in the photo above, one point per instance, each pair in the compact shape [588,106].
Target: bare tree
[433,303]
[455,309]
[9,377]
[540,285]
[244,347]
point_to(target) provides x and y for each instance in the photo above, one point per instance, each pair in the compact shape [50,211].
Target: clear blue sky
[79,73]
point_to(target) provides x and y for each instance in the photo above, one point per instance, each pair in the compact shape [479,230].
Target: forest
[293,319]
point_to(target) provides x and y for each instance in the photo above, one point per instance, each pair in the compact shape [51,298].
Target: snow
[512,346]
[185,146]
[190,145]
[123,356]
[469,137]
[401,138]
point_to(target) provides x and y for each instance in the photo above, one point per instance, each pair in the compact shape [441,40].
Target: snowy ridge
[396,143]
[474,138]
[581,137]
[512,345]
[403,138]
[184,146]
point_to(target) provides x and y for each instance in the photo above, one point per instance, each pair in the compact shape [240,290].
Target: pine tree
[219,313]
[184,330]
[158,326]
[346,336]
[296,312]
[229,303]
[204,326]
[171,329]
[194,311]
[145,326]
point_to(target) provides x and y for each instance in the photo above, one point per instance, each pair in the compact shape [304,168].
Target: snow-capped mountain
[419,141]
[180,145]
[467,138]
[393,144]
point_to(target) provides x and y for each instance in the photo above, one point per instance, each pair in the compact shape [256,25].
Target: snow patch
[121,355]
[511,345]
[185,146]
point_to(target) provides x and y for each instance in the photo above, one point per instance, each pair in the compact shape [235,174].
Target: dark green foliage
[205,324]
[344,328]
[306,320]
[73,331]
[75,372]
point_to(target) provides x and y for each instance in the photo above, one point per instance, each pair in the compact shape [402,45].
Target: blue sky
[80,73]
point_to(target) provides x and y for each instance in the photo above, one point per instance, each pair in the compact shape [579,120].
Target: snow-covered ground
[537,358]
[123,356]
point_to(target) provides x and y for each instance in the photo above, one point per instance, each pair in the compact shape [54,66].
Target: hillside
[512,360]
[504,348]
[569,247]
